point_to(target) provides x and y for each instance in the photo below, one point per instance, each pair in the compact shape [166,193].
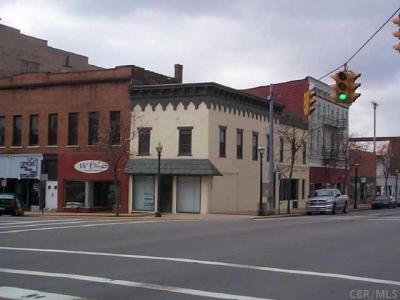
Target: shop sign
[29,167]
[91,166]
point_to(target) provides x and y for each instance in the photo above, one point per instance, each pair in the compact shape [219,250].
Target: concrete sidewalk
[169,216]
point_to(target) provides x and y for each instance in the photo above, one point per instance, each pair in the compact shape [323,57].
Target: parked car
[327,200]
[383,201]
[10,204]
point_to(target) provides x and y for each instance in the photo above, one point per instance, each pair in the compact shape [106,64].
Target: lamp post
[397,174]
[159,150]
[260,207]
[355,206]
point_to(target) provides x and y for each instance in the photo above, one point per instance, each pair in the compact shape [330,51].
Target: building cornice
[210,93]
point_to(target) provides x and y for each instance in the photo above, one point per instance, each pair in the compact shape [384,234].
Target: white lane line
[172,289]
[41,221]
[34,225]
[385,219]
[213,263]
[75,226]
[9,292]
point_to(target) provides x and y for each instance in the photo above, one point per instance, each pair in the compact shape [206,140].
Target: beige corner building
[210,135]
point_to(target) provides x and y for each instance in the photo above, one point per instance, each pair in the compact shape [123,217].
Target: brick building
[20,53]
[328,128]
[66,125]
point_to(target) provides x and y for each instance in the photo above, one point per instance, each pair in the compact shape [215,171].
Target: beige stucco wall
[237,191]
[165,125]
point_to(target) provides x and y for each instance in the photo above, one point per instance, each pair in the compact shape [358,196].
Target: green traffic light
[342,96]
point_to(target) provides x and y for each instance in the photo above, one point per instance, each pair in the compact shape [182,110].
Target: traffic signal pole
[271,196]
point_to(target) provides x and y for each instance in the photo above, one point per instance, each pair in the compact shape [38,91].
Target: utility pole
[374,105]
[271,166]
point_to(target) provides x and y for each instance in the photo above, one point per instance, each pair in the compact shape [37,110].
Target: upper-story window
[93,136]
[52,130]
[17,123]
[281,149]
[73,128]
[255,145]
[29,66]
[185,141]
[267,148]
[33,130]
[222,141]
[2,131]
[239,144]
[304,153]
[115,128]
[144,141]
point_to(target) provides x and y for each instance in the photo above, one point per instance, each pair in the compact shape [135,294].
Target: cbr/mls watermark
[374,294]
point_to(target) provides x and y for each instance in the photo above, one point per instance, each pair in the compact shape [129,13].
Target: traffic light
[309,102]
[353,85]
[397,33]
[344,89]
[341,87]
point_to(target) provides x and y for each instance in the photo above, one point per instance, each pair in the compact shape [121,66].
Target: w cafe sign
[91,166]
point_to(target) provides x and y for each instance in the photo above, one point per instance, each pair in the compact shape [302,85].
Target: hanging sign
[91,166]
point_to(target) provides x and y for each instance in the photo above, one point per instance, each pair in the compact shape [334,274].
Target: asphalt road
[355,256]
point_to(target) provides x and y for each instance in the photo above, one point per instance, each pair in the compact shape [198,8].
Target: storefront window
[143,193]
[104,193]
[75,192]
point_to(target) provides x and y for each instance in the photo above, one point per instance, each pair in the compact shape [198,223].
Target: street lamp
[397,174]
[355,186]
[159,150]
[260,208]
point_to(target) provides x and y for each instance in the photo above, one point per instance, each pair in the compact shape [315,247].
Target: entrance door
[51,194]
[166,193]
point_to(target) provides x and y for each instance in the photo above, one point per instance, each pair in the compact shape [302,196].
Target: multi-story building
[69,129]
[20,53]
[328,128]
[210,136]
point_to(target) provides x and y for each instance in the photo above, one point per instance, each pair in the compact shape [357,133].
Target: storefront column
[87,194]
[174,193]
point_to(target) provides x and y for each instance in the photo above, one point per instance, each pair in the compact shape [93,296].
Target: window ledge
[51,146]
[72,146]
[33,146]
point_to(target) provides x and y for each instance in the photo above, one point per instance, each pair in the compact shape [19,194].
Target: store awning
[199,167]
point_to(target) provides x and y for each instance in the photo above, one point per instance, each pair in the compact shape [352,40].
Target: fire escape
[334,131]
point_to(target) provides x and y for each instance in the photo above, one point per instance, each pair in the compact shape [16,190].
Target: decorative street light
[260,208]
[355,206]
[159,150]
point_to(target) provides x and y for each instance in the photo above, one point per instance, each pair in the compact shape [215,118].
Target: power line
[372,36]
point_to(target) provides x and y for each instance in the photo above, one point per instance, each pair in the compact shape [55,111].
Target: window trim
[17,132]
[141,146]
[52,133]
[239,147]
[222,143]
[181,149]
[73,131]
[254,148]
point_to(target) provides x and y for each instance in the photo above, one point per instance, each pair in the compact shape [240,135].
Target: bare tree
[384,155]
[296,138]
[114,138]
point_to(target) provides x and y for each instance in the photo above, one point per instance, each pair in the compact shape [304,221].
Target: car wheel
[345,208]
[309,213]
[334,209]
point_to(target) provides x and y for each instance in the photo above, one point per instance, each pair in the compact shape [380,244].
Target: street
[354,256]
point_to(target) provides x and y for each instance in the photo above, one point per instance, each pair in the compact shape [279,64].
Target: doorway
[166,193]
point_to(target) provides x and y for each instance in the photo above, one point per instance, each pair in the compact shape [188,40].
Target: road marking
[213,263]
[386,219]
[20,294]
[33,225]
[41,221]
[75,226]
[172,289]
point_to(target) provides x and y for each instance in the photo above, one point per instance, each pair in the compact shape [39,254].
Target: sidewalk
[178,216]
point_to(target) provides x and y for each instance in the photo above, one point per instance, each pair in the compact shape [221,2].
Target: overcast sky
[238,43]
